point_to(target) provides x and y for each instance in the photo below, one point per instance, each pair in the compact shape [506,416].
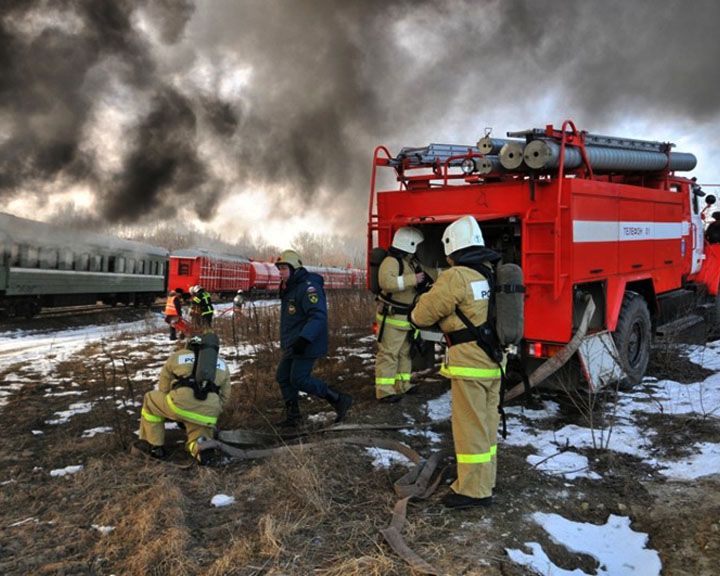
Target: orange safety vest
[170,309]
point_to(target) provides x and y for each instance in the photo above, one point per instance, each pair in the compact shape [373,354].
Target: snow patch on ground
[104,530]
[64,415]
[67,470]
[386,458]
[617,548]
[92,432]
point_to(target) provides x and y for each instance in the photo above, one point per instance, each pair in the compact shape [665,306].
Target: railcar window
[111,264]
[184,269]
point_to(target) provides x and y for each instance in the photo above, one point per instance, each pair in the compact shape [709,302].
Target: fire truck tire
[633,336]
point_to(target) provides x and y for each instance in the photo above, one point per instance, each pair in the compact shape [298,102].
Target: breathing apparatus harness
[202,378]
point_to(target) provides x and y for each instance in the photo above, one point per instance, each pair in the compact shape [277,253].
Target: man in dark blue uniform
[303,338]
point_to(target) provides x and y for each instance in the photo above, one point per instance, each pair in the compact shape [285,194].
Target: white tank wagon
[42,265]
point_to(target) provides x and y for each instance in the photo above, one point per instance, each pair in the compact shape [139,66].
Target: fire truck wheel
[632,337]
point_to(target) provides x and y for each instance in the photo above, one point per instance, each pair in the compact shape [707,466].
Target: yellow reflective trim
[393,321]
[384,381]
[483,458]
[468,372]
[151,417]
[493,450]
[405,376]
[193,416]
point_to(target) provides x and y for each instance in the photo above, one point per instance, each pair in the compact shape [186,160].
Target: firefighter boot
[293,418]
[340,402]
[145,447]
[456,501]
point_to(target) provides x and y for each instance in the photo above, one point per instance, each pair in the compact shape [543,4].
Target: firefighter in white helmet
[463,290]
[398,277]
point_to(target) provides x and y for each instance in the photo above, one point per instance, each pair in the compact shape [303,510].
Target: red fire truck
[609,237]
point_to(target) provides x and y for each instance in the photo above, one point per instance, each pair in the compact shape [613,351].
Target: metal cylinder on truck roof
[492,146]
[541,154]
[489,164]
[511,155]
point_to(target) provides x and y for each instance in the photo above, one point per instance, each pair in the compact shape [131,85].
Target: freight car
[225,274]
[222,274]
[42,265]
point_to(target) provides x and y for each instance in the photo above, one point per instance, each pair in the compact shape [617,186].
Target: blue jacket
[303,313]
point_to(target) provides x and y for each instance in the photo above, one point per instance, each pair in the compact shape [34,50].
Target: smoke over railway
[158,105]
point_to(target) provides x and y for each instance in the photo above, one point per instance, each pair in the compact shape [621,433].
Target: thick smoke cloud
[292,96]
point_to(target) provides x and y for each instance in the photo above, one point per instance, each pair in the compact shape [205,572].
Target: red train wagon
[264,278]
[217,273]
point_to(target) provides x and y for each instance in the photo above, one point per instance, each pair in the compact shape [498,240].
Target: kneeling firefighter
[193,387]
[303,339]
[398,278]
[459,299]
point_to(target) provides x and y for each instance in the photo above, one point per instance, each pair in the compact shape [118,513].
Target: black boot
[292,415]
[341,403]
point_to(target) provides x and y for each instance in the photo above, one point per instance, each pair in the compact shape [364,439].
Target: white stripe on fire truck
[613,231]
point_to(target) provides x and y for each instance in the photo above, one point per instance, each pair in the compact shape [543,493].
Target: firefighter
[708,212]
[712,234]
[303,339]
[238,302]
[398,277]
[201,304]
[475,378]
[173,310]
[179,397]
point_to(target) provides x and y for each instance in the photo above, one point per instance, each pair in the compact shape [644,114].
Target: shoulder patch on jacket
[313,297]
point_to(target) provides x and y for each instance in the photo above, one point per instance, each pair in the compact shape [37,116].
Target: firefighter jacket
[467,289]
[303,313]
[396,288]
[181,400]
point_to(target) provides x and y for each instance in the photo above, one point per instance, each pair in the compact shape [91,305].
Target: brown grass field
[309,511]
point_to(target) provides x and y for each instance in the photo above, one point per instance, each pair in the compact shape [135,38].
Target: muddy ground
[311,511]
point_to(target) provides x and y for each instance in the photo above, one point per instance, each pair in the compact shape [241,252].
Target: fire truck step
[680,325]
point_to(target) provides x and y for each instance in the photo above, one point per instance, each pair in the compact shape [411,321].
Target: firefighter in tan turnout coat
[176,400]
[398,280]
[475,378]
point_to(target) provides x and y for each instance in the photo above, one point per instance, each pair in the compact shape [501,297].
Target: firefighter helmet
[195,290]
[407,238]
[462,233]
[290,258]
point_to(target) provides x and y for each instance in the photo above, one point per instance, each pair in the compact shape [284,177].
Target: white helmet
[407,238]
[194,290]
[462,233]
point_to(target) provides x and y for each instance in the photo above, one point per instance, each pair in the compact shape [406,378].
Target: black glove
[300,345]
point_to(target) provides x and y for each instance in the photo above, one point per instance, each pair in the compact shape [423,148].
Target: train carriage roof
[202,253]
[42,234]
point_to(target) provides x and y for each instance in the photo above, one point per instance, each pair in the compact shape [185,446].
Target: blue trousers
[294,374]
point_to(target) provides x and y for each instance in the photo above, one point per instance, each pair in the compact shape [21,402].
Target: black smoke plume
[326,82]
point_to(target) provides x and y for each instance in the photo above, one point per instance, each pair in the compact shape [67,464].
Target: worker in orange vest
[173,310]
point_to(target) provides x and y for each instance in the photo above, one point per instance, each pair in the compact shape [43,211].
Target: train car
[357,278]
[264,279]
[43,266]
[335,278]
[222,274]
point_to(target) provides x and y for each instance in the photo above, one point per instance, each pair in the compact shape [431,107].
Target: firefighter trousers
[294,374]
[475,422]
[392,364]
[155,411]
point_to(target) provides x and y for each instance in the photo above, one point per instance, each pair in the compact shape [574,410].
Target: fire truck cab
[608,236]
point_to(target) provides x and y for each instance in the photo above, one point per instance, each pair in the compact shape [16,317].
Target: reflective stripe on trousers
[151,417]
[393,322]
[470,372]
[192,416]
[483,458]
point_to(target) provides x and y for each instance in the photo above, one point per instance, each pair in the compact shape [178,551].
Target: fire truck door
[696,232]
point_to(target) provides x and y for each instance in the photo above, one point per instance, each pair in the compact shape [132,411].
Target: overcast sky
[262,114]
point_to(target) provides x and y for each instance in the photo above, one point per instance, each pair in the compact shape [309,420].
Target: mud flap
[599,360]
